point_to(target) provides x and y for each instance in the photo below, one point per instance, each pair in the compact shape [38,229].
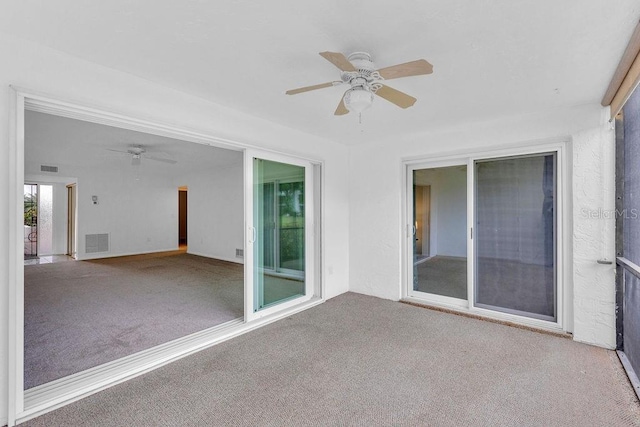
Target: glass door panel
[439,225]
[280,223]
[515,220]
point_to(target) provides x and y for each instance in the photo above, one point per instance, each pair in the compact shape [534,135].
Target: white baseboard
[115,255]
[221,258]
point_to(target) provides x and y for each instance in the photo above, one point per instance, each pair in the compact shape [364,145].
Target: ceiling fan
[359,72]
[137,152]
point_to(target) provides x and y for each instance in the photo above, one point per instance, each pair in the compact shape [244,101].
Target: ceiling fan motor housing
[361,61]
[365,76]
[136,150]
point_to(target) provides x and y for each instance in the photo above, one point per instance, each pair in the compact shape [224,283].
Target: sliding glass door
[281,232]
[515,206]
[483,234]
[439,239]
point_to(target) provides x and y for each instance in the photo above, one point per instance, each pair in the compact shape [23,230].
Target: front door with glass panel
[281,234]
[482,234]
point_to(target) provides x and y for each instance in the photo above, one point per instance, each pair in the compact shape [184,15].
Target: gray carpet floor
[501,283]
[280,288]
[443,275]
[359,360]
[516,285]
[82,314]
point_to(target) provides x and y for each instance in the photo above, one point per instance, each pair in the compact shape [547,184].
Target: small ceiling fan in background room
[137,152]
[359,72]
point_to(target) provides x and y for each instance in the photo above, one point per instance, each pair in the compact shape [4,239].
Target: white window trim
[561,146]
[24,405]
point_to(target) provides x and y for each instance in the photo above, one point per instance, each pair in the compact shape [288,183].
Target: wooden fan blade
[394,96]
[413,68]
[339,60]
[342,109]
[117,151]
[308,88]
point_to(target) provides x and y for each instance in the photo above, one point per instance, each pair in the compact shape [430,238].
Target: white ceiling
[69,143]
[491,58]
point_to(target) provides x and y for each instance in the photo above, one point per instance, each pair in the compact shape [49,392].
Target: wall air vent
[94,243]
[45,168]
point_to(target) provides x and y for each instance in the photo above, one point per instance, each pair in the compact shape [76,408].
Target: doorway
[71,220]
[219,199]
[38,220]
[182,217]
[422,206]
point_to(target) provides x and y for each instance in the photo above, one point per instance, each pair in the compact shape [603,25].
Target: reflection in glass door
[515,215]
[439,231]
[279,217]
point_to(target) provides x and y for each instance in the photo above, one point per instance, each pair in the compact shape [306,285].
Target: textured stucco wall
[594,236]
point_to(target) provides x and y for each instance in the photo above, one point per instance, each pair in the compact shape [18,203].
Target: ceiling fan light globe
[358,99]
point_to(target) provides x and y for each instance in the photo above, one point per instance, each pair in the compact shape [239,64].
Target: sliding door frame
[409,231]
[560,147]
[23,404]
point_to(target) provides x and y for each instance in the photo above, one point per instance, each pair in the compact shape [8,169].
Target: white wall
[594,237]
[41,69]
[215,213]
[140,216]
[376,207]
[138,212]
